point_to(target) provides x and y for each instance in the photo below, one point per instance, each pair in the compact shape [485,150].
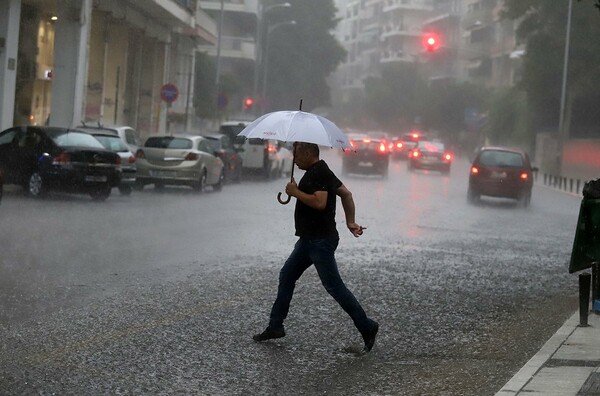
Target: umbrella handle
[281,201]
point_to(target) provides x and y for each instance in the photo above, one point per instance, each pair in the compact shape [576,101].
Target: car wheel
[472,196]
[125,190]
[446,171]
[525,199]
[35,185]
[410,167]
[100,193]
[138,186]
[201,183]
[219,185]
[238,174]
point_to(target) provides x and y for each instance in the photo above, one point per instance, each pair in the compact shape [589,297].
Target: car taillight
[382,148]
[367,140]
[131,159]
[62,159]
[140,154]
[191,157]
[524,176]
[448,156]
[399,145]
[271,148]
[474,170]
[415,153]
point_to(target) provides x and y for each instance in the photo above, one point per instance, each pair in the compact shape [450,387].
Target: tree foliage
[543,30]
[302,56]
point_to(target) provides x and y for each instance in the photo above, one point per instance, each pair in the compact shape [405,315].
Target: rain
[160,290]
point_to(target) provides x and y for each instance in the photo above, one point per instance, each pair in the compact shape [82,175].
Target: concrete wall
[580,157]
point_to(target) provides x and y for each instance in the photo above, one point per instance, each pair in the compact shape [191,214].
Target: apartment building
[236,51]
[476,45]
[68,61]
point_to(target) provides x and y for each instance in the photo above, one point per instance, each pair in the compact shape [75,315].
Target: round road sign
[169,93]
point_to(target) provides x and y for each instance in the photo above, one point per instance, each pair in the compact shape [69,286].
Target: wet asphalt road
[160,293]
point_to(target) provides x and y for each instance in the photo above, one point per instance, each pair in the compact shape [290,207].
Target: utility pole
[562,132]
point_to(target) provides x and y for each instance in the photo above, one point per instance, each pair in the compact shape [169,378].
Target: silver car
[128,166]
[178,160]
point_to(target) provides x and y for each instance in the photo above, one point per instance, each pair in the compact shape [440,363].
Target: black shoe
[369,337]
[269,334]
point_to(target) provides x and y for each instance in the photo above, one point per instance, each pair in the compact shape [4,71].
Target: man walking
[314,218]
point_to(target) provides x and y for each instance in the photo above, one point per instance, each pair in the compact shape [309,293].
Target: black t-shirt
[312,223]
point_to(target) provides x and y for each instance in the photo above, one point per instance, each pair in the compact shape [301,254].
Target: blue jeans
[319,252]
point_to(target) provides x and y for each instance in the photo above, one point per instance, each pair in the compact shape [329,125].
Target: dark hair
[311,148]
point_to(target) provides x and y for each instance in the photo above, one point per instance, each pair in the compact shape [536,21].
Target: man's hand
[356,229]
[292,189]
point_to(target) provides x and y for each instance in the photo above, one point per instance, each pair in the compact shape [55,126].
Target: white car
[127,134]
[258,155]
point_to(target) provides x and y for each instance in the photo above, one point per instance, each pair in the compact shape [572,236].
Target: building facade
[65,62]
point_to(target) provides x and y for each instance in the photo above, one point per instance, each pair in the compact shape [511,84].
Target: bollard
[570,185]
[545,179]
[578,182]
[584,298]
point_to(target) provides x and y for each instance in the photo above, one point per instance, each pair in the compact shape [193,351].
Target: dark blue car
[49,158]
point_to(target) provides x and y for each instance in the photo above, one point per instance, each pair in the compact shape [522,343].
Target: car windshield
[113,143]
[501,158]
[169,142]
[65,138]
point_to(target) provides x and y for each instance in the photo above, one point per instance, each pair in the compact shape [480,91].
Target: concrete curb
[533,366]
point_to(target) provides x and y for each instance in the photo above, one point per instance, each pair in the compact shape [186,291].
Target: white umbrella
[296,126]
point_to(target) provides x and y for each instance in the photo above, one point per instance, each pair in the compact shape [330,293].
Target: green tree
[205,91]
[395,100]
[543,29]
[301,56]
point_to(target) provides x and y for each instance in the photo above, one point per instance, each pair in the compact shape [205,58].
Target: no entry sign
[169,93]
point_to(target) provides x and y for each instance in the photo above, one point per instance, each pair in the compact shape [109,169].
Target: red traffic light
[431,41]
[248,102]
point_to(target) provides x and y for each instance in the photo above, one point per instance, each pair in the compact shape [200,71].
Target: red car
[501,172]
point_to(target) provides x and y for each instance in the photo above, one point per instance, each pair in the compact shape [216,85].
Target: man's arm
[349,210]
[316,200]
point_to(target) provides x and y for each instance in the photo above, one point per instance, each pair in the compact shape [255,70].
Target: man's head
[306,154]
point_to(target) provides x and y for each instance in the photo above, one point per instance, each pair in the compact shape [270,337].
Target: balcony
[411,5]
[179,13]
[396,56]
[244,6]
[399,30]
[232,47]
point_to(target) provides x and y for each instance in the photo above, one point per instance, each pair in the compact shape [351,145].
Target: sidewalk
[568,364]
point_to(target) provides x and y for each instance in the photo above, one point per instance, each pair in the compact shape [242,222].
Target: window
[501,158]
[130,137]
[113,143]
[65,138]
[203,145]
[167,142]
[8,137]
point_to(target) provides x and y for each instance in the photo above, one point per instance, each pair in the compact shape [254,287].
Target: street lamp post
[266,66]
[561,117]
[262,12]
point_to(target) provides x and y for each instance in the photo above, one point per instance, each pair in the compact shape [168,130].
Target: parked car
[127,134]
[402,145]
[51,158]
[258,155]
[430,155]
[501,172]
[223,148]
[178,160]
[368,156]
[1,184]
[286,156]
[114,143]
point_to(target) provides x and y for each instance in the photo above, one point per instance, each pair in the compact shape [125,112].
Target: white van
[258,155]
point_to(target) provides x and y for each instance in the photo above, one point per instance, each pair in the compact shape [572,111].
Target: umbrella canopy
[297,126]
